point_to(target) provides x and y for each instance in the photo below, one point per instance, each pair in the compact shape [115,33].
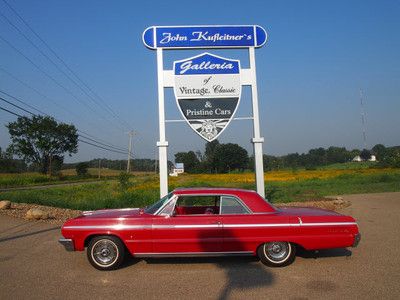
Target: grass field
[9,180]
[281,186]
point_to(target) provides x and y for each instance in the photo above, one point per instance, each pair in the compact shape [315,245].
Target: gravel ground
[56,215]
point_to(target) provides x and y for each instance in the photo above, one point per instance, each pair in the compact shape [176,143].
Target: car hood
[306,211]
[112,213]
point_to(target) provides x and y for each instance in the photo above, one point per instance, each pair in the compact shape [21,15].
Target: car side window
[232,206]
[197,205]
[168,209]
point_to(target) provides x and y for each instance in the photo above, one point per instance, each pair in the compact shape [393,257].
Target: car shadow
[18,236]
[243,273]
[324,253]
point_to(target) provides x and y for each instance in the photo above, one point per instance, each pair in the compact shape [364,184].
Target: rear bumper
[357,239]
[67,243]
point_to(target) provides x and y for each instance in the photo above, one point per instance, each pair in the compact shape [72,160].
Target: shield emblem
[207,90]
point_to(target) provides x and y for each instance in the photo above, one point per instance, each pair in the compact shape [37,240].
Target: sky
[318,56]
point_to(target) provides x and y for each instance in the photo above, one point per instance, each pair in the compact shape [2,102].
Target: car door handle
[216,222]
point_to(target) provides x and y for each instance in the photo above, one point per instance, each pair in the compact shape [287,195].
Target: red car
[207,221]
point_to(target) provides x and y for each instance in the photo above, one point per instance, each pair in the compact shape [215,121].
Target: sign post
[207,87]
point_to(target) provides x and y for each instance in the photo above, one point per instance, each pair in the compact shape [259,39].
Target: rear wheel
[276,254]
[106,252]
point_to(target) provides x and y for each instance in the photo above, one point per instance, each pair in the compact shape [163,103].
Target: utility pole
[363,119]
[99,175]
[128,166]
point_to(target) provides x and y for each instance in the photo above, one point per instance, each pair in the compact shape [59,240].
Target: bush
[82,169]
[123,179]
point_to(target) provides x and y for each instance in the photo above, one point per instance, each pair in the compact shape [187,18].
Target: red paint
[147,234]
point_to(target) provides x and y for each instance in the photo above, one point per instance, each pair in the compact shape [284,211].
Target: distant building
[359,159]
[179,168]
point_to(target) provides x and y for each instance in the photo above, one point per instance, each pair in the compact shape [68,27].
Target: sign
[210,36]
[207,90]
[207,87]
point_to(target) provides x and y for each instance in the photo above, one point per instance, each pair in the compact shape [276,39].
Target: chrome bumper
[67,243]
[357,239]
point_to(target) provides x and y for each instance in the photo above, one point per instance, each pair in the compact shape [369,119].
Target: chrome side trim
[329,224]
[112,227]
[125,227]
[183,254]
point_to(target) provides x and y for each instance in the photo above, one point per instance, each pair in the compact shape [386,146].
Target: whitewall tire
[276,254]
[105,252]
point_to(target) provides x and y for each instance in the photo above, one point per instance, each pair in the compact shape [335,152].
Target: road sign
[207,91]
[209,36]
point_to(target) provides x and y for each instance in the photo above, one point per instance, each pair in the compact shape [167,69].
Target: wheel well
[297,246]
[90,237]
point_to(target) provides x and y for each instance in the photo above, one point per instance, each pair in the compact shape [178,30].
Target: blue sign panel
[179,37]
[206,63]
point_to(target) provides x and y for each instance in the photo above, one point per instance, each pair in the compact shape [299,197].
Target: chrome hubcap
[276,251]
[105,252]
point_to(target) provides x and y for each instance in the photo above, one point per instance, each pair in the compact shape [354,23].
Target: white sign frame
[248,78]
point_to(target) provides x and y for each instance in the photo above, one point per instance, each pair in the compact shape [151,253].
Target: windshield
[152,209]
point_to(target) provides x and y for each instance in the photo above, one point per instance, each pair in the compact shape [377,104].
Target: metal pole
[162,144]
[128,166]
[99,173]
[363,119]
[257,139]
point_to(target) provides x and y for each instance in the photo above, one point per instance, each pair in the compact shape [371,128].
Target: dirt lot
[34,266]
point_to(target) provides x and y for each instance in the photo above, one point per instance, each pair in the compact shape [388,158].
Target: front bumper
[67,243]
[357,239]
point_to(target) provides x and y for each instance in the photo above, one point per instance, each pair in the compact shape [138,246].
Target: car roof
[211,190]
[251,198]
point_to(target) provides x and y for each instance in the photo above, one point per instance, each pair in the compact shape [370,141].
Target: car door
[244,231]
[190,232]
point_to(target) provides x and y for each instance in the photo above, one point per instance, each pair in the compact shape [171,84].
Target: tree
[189,159]
[209,155]
[229,157]
[82,168]
[337,155]
[365,154]
[40,139]
[379,151]
[10,165]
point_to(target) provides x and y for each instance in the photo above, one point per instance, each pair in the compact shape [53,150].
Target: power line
[42,95]
[85,142]
[52,78]
[88,138]
[109,147]
[79,139]
[43,113]
[115,116]
[15,114]
[1,98]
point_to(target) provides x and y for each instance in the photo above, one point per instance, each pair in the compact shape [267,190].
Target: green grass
[109,195]
[32,179]
[310,189]
[352,165]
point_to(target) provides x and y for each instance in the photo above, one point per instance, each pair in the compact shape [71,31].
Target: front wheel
[106,252]
[276,254]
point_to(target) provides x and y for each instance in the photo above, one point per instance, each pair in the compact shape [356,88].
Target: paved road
[34,266]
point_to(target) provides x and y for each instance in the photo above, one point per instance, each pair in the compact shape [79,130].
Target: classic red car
[207,221]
